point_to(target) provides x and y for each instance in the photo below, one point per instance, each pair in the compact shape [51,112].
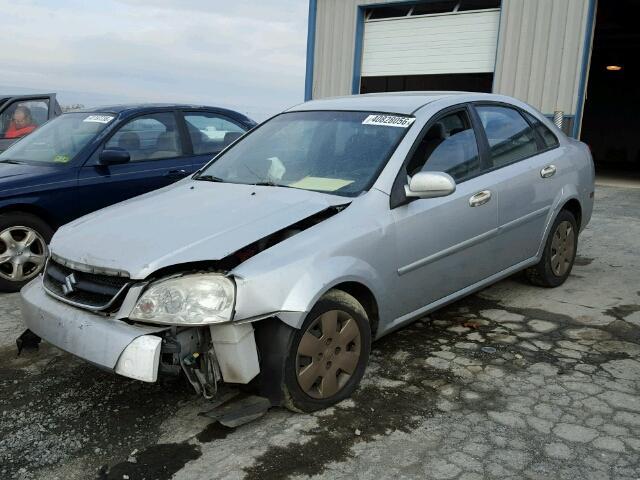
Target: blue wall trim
[495,61]
[357,52]
[311,48]
[586,53]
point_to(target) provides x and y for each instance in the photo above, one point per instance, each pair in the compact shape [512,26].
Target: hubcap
[562,248]
[22,253]
[328,354]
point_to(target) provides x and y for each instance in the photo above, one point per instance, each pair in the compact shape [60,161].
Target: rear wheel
[559,253]
[328,355]
[23,249]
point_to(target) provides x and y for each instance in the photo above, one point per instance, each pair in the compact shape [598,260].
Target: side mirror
[430,185]
[114,156]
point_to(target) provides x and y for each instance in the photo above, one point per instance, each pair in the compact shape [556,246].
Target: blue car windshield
[336,152]
[58,141]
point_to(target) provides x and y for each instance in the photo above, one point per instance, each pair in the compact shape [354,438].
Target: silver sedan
[324,228]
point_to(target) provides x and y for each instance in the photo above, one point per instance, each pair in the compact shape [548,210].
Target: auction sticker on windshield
[98,118]
[389,121]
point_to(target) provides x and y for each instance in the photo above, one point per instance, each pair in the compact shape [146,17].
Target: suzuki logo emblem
[69,284]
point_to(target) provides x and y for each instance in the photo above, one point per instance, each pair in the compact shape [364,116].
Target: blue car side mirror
[114,156]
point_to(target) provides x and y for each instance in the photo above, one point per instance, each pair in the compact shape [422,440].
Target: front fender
[52,199]
[292,295]
[30,204]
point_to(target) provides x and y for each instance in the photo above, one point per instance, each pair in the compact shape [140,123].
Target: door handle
[548,171]
[480,198]
[176,173]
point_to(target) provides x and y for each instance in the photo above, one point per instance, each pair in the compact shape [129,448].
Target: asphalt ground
[554,396]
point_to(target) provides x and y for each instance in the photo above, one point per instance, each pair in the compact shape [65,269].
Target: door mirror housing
[430,185]
[113,156]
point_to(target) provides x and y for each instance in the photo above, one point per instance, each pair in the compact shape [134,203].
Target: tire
[559,253]
[340,357]
[23,249]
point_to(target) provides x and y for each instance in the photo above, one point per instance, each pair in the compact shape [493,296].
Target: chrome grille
[89,290]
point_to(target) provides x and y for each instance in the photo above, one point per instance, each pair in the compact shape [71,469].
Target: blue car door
[159,156]
[209,133]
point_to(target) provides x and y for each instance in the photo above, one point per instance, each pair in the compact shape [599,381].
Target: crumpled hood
[186,222]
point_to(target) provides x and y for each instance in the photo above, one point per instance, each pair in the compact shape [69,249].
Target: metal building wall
[540,56]
[334,46]
[541,51]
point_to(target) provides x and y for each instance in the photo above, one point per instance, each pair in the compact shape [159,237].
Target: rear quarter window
[548,137]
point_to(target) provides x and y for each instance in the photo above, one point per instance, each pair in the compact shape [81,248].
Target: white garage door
[463,42]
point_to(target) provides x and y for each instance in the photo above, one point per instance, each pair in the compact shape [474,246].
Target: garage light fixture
[614,68]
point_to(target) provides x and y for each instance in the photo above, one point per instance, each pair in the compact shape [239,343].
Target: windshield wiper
[269,183]
[13,162]
[210,178]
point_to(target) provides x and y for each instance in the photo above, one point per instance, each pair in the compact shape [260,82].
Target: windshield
[59,140]
[327,151]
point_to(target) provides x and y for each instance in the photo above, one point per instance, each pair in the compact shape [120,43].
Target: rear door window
[510,137]
[148,137]
[210,132]
[22,117]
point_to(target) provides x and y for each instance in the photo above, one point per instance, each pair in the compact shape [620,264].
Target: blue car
[83,161]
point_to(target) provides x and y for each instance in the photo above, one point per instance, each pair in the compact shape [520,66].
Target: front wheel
[328,355]
[23,249]
[559,253]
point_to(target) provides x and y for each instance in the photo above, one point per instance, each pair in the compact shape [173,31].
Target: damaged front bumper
[130,350]
[141,351]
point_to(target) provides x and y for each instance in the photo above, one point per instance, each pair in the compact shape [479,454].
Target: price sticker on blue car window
[389,121]
[98,118]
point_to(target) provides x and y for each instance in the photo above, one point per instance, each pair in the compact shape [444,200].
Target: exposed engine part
[170,356]
[203,372]
[191,351]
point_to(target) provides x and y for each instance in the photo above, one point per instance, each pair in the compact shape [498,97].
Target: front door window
[148,137]
[448,146]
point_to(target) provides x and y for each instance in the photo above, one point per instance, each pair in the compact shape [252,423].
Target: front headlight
[196,299]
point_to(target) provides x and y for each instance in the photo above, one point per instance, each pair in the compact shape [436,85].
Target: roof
[7,96]
[136,107]
[396,102]
[133,106]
